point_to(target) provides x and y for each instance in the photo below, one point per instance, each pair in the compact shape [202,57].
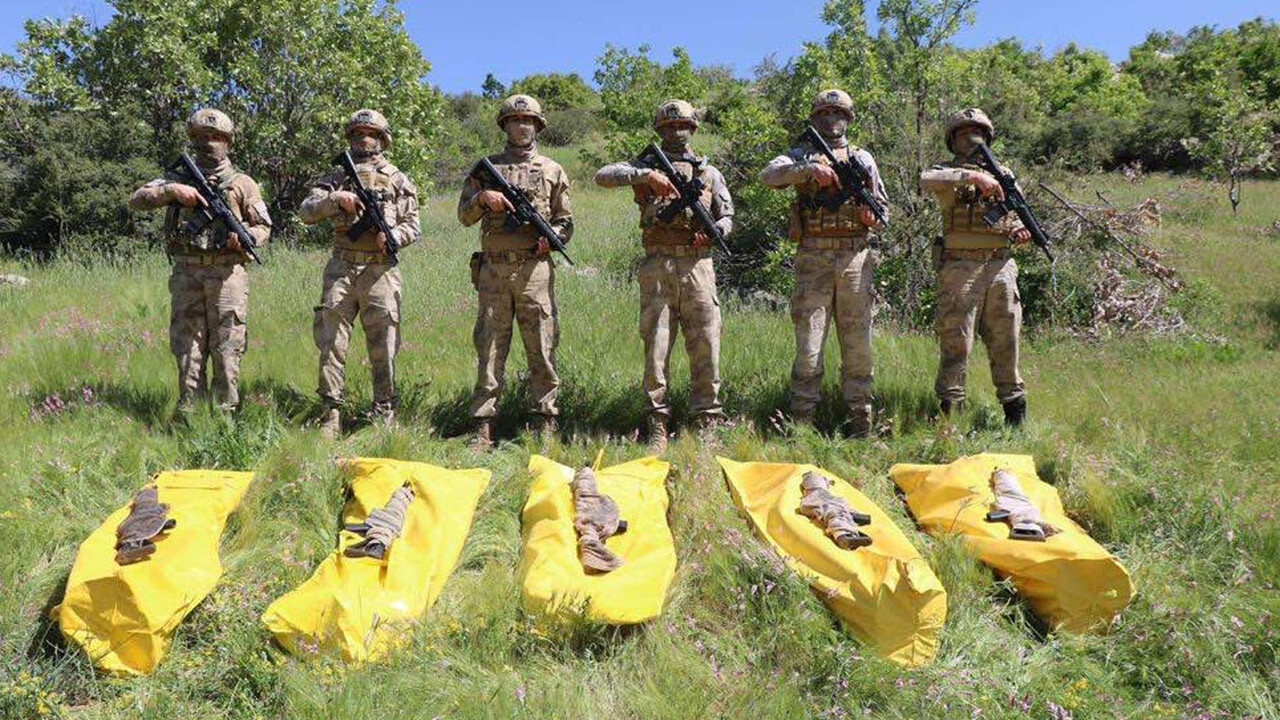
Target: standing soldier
[677,278]
[208,288]
[834,264]
[513,272]
[361,277]
[977,278]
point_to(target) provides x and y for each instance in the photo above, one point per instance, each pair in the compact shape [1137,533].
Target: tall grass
[1166,449]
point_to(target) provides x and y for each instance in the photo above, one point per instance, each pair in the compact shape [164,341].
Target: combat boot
[383,413]
[859,423]
[331,424]
[483,437]
[543,425]
[802,417]
[1015,412]
[657,428]
[949,407]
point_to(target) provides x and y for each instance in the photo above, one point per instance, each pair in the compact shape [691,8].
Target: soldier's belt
[209,259]
[511,257]
[855,244]
[974,241]
[678,251]
[978,254]
[362,257]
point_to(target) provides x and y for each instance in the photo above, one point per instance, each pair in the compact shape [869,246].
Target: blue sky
[465,40]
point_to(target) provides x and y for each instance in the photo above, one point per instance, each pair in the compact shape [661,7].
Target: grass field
[1166,449]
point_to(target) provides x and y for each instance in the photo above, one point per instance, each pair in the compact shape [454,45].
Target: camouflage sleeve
[409,228]
[317,205]
[151,196]
[941,178]
[620,174]
[252,210]
[721,202]
[469,208]
[877,182]
[789,168]
[561,210]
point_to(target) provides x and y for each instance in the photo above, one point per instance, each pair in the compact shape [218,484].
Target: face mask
[212,149]
[365,144]
[965,142]
[677,135]
[831,125]
[521,133]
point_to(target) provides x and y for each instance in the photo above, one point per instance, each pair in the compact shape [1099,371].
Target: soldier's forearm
[620,175]
[781,175]
[940,180]
[726,225]
[318,206]
[149,197]
[261,233]
[407,233]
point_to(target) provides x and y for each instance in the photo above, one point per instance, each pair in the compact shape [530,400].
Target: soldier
[834,265]
[361,278]
[513,272]
[977,277]
[677,278]
[208,287]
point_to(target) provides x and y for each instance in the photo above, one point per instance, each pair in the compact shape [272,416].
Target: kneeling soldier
[977,277]
[677,277]
[361,277]
[834,263]
[208,287]
[513,272]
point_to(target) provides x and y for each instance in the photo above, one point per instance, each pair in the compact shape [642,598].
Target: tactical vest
[380,181]
[810,218]
[962,224]
[534,178]
[213,238]
[682,227]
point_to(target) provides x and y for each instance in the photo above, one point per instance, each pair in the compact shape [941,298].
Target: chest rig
[378,181]
[531,178]
[683,225]
[962,223]
[811,214]
[214,235]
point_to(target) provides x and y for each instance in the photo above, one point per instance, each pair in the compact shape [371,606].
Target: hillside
[1166,449]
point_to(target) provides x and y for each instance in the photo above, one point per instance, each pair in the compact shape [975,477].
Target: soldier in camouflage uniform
[834,265]
[361,278]
[677,278]
[208,287]
[977,277]
[513,272]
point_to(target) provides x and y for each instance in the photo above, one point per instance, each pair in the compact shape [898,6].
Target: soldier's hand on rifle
[348,202]
[824,175]
[701,239]
[543,248]
[186,195]
[660,185]
[1021,236]
[233,242]
[494,201]
[866,217]
[988,187]
[382,242]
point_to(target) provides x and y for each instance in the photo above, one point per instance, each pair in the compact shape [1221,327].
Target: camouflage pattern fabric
[832,513]
[595,519]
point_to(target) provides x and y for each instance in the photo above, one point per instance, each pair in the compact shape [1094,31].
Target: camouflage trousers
[209,307]
[838,285]
[679,294]
[372,291]
[985,294]
[523,293]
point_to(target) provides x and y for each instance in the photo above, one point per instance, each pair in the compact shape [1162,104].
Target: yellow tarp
[554,585]
[1070,580]
[362,607]
[885,593]
[123,616]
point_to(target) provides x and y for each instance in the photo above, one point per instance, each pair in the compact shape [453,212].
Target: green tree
[1240,141]
[492,87]
[632,85]
[288,71]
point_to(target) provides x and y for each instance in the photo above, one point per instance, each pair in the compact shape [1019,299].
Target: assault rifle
[215,208]
[1014,201]
[524,213]
[371,216]
[855,179]
[690,197]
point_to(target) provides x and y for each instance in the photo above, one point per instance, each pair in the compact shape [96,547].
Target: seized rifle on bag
[690,197]
[855,179]
[215,208]
[371,216]
[524,213]
[1014,201]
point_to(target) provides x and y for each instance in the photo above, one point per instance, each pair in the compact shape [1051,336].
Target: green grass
[1166,449]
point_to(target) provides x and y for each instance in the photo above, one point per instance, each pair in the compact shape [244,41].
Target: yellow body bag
[361,607]
[1069,579]
[123,615]
[554,585]
[885,593]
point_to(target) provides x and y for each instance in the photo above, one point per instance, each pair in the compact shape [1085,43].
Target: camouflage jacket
[541,178]
[398,199]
